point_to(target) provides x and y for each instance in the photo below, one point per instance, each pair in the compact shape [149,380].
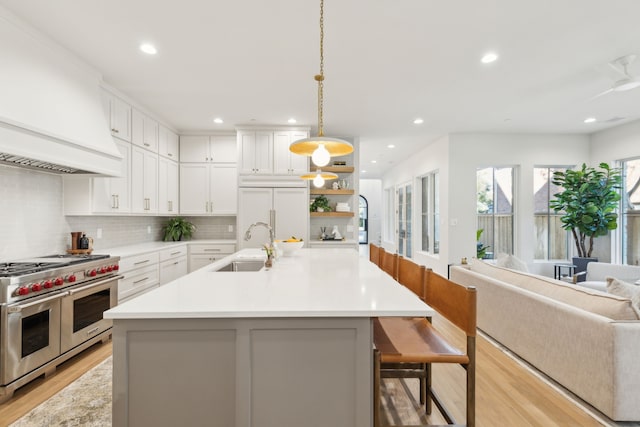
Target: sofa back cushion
[611,306]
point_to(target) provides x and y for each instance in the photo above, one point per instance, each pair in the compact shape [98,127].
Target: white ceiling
[386,63]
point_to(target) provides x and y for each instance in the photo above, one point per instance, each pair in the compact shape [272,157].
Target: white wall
[371,189]
[619,143]
[457,157]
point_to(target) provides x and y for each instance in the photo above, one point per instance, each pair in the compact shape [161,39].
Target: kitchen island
[286,346]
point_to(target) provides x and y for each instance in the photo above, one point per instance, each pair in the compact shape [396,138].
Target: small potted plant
[320,204]
[177,228]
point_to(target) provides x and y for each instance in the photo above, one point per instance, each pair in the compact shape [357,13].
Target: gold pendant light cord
[320,77]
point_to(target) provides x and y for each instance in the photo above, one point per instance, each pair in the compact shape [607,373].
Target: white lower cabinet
[140,274]
[173,264]
[201,254]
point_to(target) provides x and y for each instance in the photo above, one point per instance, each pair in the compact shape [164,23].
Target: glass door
[403,215]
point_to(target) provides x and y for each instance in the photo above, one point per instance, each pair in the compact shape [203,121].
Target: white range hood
[51,116]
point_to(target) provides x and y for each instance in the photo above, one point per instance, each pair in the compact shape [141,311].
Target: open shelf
[334,214]
[334,169]
[330,191]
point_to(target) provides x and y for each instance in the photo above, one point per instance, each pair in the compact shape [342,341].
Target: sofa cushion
[599,271]
[627,290]
[612,306]
[512,262]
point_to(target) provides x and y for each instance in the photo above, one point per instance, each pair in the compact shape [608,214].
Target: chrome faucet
[247,234]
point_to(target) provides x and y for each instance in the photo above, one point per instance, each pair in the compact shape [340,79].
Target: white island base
[286,346]
[243,372]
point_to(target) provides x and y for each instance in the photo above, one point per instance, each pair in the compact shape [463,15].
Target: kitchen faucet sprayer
[247,234]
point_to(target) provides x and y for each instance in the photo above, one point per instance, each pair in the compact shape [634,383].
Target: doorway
[363,221]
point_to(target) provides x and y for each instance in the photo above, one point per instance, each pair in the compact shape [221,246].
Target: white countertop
[142,248]
[311,283]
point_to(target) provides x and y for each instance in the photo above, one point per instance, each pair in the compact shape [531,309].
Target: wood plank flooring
[508,394]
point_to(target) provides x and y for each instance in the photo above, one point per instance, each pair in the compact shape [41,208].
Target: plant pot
[581,265]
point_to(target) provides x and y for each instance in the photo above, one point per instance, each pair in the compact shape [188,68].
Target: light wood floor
[507,393]
[34,393]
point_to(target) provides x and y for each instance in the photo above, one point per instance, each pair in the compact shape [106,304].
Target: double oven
[51,309]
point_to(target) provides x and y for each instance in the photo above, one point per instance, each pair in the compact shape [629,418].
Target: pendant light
[319,177]
[321,148]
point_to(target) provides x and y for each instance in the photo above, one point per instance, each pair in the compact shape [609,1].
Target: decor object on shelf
[336,233]
[320,204]
[587,202]
[177,228]
[321,148]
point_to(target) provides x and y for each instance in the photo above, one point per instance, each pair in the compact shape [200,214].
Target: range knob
[35,287]
[23,290]
[109,268]
[48,284]
[92,273]
[102,270]
[58,281]
[116,267]
[71,278]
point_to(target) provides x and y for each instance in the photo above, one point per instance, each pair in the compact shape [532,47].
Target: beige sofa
[586,340]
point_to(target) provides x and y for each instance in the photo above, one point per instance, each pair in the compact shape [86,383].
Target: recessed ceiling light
[374,161]
[489,58]
[418,121]
[590,120]
[363,171]
[292,120]
[148,48]
[218,120]
[391,146]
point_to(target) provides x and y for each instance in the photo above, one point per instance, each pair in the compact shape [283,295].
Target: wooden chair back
[411,275]
[455,302]
[374,254]
[389,263]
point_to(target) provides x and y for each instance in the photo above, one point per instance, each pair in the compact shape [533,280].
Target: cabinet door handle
[146,145]
[114,130]
[175,253]
[117,201]
[113,201]
[169,154]
[212,250]
[141,262]
[141,280]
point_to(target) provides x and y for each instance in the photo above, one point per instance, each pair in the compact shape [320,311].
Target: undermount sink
[242,265]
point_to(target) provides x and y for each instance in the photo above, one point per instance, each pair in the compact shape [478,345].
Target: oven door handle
[19,307]
[94,284]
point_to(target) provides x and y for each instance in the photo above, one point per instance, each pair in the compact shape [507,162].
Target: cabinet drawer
[137,281]
[217,248]
[174,252]
[136,261]
[173,269]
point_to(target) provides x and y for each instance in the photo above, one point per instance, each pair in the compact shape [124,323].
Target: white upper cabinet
[284,161]
[256,152]
[207,149]
[119,115]
[208,189]
[111,195]
[168,198]
[168,145]
[144,131]
[144,181]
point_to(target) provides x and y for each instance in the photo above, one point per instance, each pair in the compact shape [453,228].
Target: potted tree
[177,228]
[588,201]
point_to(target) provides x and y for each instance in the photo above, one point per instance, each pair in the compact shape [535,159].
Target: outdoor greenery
[481,250]
[177,228]
[587,202]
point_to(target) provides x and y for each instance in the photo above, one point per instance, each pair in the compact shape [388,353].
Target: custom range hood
[51,115]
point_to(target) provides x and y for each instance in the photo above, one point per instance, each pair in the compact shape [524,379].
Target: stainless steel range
[51,308]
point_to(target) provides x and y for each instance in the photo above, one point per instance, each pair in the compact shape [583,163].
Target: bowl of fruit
[289,246]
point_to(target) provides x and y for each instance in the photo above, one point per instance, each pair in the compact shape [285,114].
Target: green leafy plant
[481,250]
[320,202]
[588,201]
[177,228]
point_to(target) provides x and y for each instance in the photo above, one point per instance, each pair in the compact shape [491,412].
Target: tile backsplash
[32,222]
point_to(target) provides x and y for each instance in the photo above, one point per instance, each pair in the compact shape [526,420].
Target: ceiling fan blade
[601,94]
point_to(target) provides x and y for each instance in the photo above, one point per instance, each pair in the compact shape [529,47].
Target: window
[430,213]
[550,239]
[495,210]
[630,218]
[403,239]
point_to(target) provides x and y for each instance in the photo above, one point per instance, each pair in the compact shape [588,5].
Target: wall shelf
[330,191]
[334,169]
[333,214]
